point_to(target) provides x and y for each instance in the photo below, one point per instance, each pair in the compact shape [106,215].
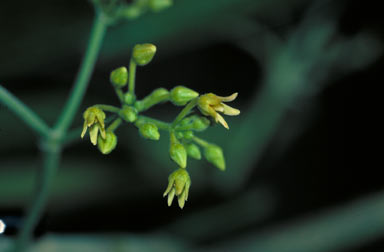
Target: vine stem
[82,79]
[184,112]
[108,108]
[114,125]
[200,141]
[24,112]
[52,143]
[131,77]
[51,157]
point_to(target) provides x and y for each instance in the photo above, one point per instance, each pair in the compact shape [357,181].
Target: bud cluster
[183,142]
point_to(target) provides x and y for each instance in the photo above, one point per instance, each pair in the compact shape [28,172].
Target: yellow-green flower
[179,183]
[210,104]
[94,119]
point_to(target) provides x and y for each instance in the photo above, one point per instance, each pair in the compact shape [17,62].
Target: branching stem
[24,112]
[185,112]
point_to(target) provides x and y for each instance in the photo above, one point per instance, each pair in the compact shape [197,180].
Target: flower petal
[171,195]
[219,108]
[186,189]
[84,129]
[100,118]
[170,185]
[221,120]
[228,98]
[179,186]
[181,199]
[93,132]
[228,110]
[102,132]
[91,118]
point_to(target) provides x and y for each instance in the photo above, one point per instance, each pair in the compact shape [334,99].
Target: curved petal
[221,120]
[228,98]
[171,195]
[84,129]
[228,110]
[93,132]
[169,187]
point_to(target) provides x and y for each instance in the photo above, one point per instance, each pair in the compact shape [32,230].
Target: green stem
[51,155]
[84,75]
[114,125]
[200,141]
[108,108]
[131,78]
[184,112]
[160,124]
[120,94]
[23,112]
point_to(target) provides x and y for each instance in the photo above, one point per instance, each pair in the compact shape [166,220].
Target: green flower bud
[188,135]
[108,144]
[159,5]
[177,152]
[143,53]
[149,131]
[193,151]
[196,123]
[128,113]
[200,123]
[186,121]
[129,98]
[179,183]
[131,12]
[179,135]
[181,95]
[119,77]
[157,96]
[214,155]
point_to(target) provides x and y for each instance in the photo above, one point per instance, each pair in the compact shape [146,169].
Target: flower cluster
[183,142]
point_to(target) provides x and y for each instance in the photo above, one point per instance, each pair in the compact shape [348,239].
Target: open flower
[179,183]
[94,119]
[210,104]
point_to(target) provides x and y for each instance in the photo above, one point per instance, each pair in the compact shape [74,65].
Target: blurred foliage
[292,63]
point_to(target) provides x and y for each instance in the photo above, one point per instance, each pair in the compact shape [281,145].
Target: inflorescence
[182,140]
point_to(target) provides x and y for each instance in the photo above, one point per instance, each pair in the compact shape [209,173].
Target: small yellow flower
[94,119]
[179,183]
[210,104]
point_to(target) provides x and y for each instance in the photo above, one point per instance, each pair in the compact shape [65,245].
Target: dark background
[302,70]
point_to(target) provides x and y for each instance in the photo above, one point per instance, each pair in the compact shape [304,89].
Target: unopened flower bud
[193,151]
[214,155]
[131,11]
[181,95]
[196,123]
[159,5]
[149,131]
[128,113]
[129,98]
[119,77]
[157,96]
[177,152]
[200,123]
[108,144]
[188,135]
[143,53]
